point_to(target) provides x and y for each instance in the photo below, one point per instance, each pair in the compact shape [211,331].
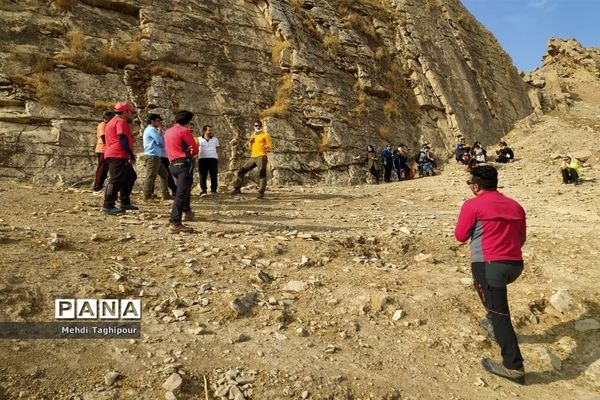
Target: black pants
[120,183]
[569,175]
[101,172]
[402,170]
[387,171]
[375,173]
[208,166]
[182,173]
[502,159]
[491,279]
[170,180]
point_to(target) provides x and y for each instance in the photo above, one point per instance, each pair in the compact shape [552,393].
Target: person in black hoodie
[387,158]
[401,166]
[505,153]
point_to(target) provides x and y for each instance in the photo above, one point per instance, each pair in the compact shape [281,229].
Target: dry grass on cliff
[78,55]
[278,46]
[120,56]
[104,104]
[64,4]
[38,81]
[41,85]
[280,106]
[165,72]
[383,132]
[332,45]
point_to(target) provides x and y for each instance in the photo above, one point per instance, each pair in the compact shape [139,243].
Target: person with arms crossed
[208,159]
[181,150]
[118,153]
[496,226]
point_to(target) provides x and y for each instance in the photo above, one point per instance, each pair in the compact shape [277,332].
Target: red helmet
[123,106]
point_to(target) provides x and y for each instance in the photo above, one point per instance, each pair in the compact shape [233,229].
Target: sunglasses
[257,126]
[470,183]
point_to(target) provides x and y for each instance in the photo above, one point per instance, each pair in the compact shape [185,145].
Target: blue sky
[523,27]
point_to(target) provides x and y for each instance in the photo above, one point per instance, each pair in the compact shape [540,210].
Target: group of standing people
[388,161]
[170,155]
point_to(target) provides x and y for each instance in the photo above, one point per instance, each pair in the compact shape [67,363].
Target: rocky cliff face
[570,72]
[327,76]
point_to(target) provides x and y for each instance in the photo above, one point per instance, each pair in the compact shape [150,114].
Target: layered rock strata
[327,76]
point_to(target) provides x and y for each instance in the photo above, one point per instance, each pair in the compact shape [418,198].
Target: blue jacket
[154,144]
[387,156]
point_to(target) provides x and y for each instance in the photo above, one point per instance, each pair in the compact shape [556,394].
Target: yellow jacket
[574,164]
[260,144]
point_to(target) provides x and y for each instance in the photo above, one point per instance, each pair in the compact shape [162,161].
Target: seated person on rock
[459,149]
[478,154]
[570,170]
[505,153]
[425,161]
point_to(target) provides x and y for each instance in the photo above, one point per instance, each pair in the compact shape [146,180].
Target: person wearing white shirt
[208,159]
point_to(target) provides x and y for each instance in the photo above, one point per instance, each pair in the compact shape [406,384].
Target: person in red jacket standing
[497,229]
[181,149]
[118,153]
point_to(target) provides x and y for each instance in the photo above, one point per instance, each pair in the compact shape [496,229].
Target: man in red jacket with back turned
[181,149]
[496,226]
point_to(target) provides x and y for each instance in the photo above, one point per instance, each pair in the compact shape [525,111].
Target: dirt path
[354,252]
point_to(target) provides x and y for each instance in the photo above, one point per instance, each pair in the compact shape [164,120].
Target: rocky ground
[314,292]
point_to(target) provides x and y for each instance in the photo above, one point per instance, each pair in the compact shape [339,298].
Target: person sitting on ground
[426,163]
[401,162]
[387,158]
[373,162]
[505,153]
[570,170]
[478,155]
[462,152]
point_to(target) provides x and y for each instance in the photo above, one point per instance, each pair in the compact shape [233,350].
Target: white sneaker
[97,192]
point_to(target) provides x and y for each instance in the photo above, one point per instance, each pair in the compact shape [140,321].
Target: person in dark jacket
[505,153]
[387,159]
[401,166]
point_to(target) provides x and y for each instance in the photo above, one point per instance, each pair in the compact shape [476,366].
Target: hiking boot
[487,326]
[165,197]
[180,228]
[496,368]
[113,211]
[129,207]
[236,191]
[188,216]
[260,195]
